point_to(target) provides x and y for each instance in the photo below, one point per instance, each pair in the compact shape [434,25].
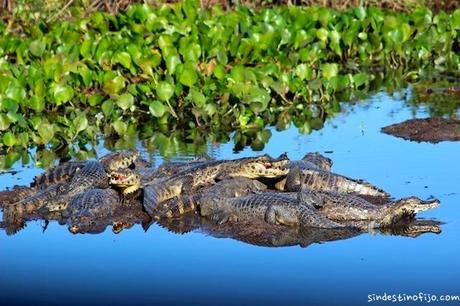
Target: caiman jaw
[265,167]
[125,179]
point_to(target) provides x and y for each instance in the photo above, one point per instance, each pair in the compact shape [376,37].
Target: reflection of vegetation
[442,97]
[178,76]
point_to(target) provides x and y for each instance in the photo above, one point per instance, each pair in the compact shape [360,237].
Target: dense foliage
[152,71]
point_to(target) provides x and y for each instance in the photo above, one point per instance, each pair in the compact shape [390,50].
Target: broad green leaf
[122,58]
[46,132]
[360,12]
[197,97]
[107,107]
[9,139]
[456,19]
[188,76]
[125,101]
[157,109]
[4,122]
[165,91]
[113,86]
[171,63]
[37,48]
[81,123]
[120,127]
[16,93]
[360,79]
[322,34]
[62,93]
[329,70]
[304,72]
[219,72]
[85,48]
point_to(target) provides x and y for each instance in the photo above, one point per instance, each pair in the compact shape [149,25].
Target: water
[159,267]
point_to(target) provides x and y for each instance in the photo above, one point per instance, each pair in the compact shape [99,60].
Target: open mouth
[267,165]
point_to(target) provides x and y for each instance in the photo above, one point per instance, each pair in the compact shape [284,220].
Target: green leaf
[46,132]
[16,93]
[322,34]
[120,127]
[360,12]
[360,79]
[304,72]
[62,93]
[122,58]
[329,70]
[37,48]
[85,48]
[4,122]
[171,63]
[188,77]
[113,86]
[396,36]
[197,97]
[107,107]
[157,109]
[81,123]
[9,139]
[456,19]
[219,72]
[125,101]
[165,91]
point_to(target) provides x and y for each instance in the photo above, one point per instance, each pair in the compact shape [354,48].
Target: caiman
[92,211]
[268,206]
[55,175]
[321,180]
[310,161]
[94,174]
[228,188]
[208,173]
[343,207]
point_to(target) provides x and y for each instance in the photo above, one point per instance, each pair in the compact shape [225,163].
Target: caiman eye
[267,165]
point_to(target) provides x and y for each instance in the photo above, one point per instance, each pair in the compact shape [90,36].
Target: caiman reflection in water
[254,232]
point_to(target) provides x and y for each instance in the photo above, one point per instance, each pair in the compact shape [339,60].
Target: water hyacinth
[181,72]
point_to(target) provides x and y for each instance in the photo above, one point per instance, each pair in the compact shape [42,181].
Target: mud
[432,130]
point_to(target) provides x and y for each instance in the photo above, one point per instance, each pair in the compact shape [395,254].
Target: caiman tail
[16,194]
[31,204]
[407,207]
[328,181]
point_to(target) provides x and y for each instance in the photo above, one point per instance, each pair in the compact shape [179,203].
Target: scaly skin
[57,174]
[95,209]
[56,196]
[311,161]
[228,188]
[266,206]
[328,181]
[206,174]
[150,175]
[343,207]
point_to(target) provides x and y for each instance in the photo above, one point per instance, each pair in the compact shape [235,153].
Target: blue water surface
[161,268]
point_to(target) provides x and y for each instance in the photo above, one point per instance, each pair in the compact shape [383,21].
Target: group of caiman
[258,196]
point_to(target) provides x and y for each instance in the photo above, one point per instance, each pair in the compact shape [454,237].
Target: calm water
[159,267]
